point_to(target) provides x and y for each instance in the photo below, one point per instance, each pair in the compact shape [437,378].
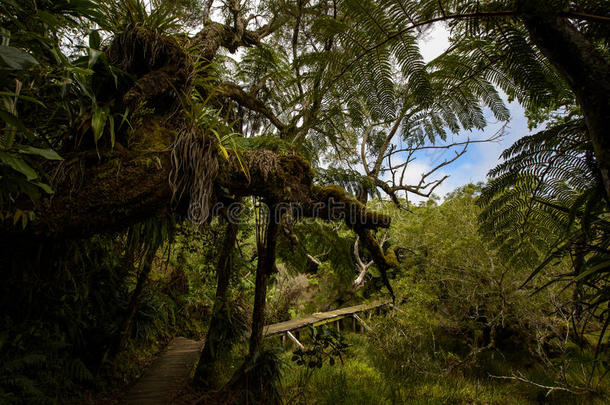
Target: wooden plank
[318,319]
[170,373]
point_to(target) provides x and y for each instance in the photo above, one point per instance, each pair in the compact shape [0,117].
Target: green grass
[359,381]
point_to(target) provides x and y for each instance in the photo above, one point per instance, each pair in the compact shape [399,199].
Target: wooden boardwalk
[167,376]
[171,372]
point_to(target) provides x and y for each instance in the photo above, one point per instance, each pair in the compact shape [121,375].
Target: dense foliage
[203,168]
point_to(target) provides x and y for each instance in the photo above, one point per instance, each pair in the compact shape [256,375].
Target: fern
[17,381]
[546,202]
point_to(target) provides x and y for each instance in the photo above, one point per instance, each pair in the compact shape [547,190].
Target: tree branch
[248,100]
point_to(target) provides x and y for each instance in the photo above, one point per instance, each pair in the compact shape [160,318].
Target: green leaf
[98,122]
[80,71]
[19,165]
[95,40]
[45,187]
[16,58]
[94,55]
[20,97]
[595,269]
[48,154]
[48,18]
[12,120]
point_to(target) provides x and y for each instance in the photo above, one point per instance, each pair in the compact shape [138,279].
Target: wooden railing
[290,329]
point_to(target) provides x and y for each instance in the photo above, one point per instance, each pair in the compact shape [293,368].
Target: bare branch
[493,138]
[316,259]
[365,138]
[550,389]
[359,281]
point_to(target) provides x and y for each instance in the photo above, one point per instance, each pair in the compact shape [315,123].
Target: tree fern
[546,202]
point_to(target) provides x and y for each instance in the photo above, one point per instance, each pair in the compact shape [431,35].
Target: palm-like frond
[545,202]
[531,194]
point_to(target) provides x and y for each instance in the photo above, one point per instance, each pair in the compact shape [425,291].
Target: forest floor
[168,375]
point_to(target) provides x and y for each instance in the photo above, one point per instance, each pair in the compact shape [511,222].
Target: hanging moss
[159,64]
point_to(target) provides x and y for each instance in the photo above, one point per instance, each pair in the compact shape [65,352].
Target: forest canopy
[182,167]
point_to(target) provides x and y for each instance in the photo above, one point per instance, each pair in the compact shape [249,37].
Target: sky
[473,166]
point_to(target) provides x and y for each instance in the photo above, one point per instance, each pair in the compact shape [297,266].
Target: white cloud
[434,42]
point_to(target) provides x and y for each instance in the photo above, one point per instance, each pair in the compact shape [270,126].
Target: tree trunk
[215,345]
[248,382]
[117,342]
[587,73]
[264,269]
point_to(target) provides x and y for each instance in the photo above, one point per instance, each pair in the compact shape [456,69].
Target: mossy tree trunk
[250,382]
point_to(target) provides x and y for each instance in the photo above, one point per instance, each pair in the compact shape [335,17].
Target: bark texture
[586,71]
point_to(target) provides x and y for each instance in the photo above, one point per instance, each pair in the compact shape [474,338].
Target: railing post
[295,340]
[362,323]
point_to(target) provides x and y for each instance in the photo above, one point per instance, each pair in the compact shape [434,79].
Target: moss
[390,257]
[354,212]
[271,143]
[277,178]
[158,64]
[297,164]
[152,136]
[338,195]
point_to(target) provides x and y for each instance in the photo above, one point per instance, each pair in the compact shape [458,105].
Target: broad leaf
[49,154]
[94,55]
[45,187]
[16,58]
[95,40]
[19,165]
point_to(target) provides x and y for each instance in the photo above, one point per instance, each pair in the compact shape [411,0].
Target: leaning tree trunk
[215,344]
[117,342]
[586,71]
